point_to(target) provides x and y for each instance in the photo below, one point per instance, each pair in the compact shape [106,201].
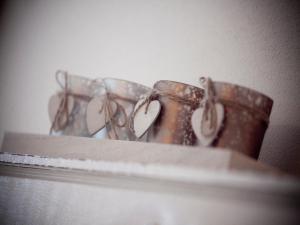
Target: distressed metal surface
[173,126]
[246,118]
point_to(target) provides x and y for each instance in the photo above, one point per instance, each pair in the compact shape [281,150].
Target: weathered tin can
[125,94]
[79,91]
[178,101]
[246,118]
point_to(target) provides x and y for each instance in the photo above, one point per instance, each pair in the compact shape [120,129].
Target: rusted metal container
[246,118]
[178,101]
[125,94]
[78,91]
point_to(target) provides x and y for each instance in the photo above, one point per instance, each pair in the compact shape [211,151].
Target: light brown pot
[126,94]
[81,90]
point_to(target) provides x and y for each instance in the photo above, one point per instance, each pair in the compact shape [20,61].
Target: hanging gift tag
[205,131]
[98,113]
[53,107]
[143,120]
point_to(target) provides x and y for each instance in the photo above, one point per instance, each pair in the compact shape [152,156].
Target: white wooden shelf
[73,180]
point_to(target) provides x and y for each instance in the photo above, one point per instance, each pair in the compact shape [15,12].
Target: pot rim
[265,105]
[177,82]
[123,80]
[251,90]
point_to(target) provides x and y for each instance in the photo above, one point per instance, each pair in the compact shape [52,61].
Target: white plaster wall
[251,43]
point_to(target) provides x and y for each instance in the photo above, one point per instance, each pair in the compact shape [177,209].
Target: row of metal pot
[214,114]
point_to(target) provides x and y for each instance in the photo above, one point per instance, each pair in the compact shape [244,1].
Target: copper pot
[246,118]
[178,101]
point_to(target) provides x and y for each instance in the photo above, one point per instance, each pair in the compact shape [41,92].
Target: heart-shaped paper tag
[142,120]
[95,117]
[200,127]
[53,107]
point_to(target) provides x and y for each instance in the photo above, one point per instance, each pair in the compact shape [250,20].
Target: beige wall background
[251,43]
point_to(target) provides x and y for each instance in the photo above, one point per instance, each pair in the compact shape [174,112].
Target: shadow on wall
[281,148]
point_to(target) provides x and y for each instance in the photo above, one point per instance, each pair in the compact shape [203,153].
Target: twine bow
[62,112]
[154,95]
[109,114]
[61,118]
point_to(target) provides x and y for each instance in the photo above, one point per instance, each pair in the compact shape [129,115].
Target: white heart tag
[96,119]
[142,121]
[53,107]
[196,124]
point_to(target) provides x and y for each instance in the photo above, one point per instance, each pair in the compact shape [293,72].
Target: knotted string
[210,116]
[63,105]
[154,95]
[109,113]
[106,107]
[62,112]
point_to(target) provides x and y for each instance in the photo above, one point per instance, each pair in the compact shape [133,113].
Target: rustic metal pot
[246,118]
[81,90]
[126,94]
[178,102]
